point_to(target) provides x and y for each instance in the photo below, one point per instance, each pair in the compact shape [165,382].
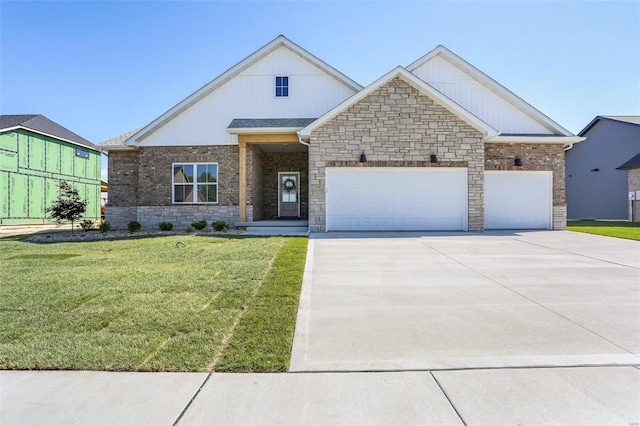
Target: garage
[518,199]
[396,199]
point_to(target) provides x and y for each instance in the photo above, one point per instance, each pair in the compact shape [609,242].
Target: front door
[289,194]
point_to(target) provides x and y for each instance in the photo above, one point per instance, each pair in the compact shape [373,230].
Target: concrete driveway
[394,302]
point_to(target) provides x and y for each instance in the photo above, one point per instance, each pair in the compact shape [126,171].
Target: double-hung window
[195,183]
[282,87]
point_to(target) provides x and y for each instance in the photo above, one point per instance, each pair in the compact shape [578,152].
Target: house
[595,189]
[35,155]
[436,145]
[632,166]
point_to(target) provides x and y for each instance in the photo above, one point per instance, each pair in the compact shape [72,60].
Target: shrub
[200,225]
[188,229]
[165,226]
[133,226]
[220,225]
[87,225]
[104,226]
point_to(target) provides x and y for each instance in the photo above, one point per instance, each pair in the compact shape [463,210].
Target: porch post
[243,181]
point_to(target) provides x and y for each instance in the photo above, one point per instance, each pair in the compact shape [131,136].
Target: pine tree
[68,206]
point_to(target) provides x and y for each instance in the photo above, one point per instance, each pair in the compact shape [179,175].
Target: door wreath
[289,185]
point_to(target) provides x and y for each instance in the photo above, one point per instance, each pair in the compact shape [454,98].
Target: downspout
[308,180]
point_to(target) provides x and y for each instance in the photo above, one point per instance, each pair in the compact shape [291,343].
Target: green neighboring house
[35,155]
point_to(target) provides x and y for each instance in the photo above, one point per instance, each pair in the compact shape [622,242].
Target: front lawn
[149,304]
[618,229]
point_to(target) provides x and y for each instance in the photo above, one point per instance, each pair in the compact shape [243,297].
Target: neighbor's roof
[38,123]
[634,163]
[629,119]
[237,69]
[267,125]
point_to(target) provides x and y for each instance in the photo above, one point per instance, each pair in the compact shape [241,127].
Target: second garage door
[396,199]
[518,199]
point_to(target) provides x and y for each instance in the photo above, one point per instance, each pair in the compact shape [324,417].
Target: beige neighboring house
[435,145]
[632,167]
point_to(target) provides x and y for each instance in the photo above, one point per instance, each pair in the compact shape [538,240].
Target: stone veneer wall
[396,126]
[634,185]
[275,162]
[538,157]
[255,179]
[141,186]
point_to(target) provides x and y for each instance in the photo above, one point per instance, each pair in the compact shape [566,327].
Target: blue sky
[102,68]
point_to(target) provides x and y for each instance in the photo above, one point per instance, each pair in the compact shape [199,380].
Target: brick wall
[141,185]
[396,125]
[535,157]
[123,178]
[154,182]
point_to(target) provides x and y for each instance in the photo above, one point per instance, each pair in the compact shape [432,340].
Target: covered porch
[273,170]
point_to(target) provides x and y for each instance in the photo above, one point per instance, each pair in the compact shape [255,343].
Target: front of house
[437,145]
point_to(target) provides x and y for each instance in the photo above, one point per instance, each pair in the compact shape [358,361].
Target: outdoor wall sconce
[434,158]
[363,158]
[518,162]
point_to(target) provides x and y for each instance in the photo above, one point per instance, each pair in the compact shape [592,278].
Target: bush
[188,229]
[200,225]
[165,226]
[133,226]
[220,225]
[104,226]
[87,225]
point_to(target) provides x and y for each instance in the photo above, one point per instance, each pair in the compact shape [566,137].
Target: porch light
[518,162]
[434,158]
[363,158]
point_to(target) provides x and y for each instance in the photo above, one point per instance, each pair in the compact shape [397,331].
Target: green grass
[146,305]
[618,229]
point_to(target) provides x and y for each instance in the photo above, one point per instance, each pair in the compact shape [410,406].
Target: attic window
[282,87]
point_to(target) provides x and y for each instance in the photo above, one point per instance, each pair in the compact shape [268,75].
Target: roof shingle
[41,124]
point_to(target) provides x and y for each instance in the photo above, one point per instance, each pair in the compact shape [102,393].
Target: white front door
[289,194]
[396,199]
[518,200]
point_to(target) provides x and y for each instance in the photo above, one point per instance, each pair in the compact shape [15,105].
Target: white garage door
[396,199]
[518,200]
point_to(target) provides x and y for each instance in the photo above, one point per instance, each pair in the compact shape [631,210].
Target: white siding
[478,99]
[251,94]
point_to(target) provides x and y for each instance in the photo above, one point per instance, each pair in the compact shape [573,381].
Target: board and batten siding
[478,99]
[251,94]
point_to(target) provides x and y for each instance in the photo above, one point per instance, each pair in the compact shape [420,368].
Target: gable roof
[628,119]
[118,141]
[492,85]
[418,84]
[633,163]
[235,70]
[40,124]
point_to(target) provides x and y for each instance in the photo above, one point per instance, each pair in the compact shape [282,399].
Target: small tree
[68,206]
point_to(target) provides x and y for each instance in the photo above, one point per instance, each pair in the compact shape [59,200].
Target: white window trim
[275,86]
[297,189]
[195,184]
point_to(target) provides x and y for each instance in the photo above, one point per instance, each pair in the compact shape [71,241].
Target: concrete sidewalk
[589,396]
